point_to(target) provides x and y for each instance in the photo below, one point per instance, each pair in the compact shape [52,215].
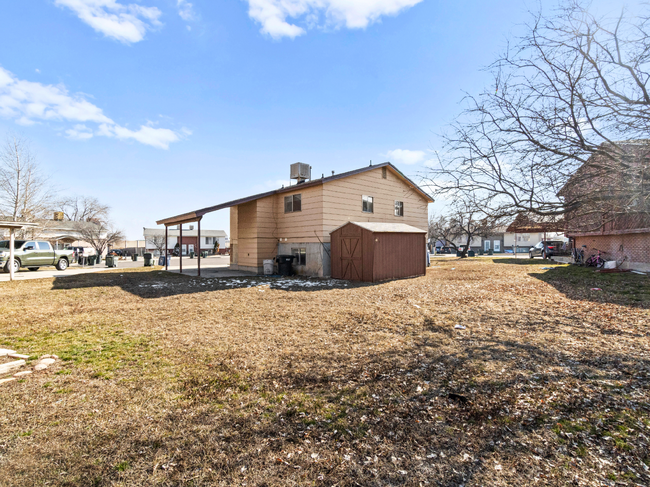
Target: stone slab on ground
[5,351]
[18,355]
[23,373]
[11,366]
[47,361]
[2,381]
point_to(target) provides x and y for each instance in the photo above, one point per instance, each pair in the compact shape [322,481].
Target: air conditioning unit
[300,171]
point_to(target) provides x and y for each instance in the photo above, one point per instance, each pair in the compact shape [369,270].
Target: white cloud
[79,132]
[353,14]
[126,23]
[28,102]
[186,10]
[405,156]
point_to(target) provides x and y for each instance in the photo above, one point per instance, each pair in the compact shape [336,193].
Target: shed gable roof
[378,227]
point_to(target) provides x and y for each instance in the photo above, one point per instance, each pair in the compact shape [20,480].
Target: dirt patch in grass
[169,380]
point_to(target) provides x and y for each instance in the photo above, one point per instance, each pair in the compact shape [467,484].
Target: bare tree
[83,209]
[159,242]
[564,97]
[463,223]
[99,235]
[25,193]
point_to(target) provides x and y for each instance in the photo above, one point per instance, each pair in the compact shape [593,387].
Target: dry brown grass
[168,380]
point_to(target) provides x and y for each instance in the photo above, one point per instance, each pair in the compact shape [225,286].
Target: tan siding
[342,201]
[299,226]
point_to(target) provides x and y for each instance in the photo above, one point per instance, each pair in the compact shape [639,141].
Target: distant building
[190,243]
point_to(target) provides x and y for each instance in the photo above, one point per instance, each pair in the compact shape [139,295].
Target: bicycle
[579,256]
[595,260]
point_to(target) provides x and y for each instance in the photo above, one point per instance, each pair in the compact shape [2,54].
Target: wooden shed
[372,252]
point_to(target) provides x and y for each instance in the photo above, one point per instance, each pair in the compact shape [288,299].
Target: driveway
[213,266]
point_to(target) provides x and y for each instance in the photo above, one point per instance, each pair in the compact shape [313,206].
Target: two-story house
[298,219]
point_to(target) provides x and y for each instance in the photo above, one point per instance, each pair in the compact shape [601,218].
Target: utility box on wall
[372,252]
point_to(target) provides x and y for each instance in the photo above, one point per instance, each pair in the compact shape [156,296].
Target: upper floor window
[293,203]
[210,240]
[366,204]
[399,208]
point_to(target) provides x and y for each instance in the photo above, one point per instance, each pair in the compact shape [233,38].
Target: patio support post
[12,239]
[199,247]
[515,245]
[166,248]
[180,247]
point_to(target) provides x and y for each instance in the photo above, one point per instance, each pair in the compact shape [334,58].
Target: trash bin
[148,259]
[81,260]
[161,260]
[111,261]
[204,254]
[470,253]
[98,260]
[91,260]
[284,264]
[169,260]
[134,257]
[268,266]
[490,252]
[191,254]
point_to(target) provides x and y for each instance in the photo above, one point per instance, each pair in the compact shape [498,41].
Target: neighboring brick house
[620,226]
[298,219]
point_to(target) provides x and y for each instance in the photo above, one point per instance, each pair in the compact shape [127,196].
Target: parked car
[547,249]
[34,254]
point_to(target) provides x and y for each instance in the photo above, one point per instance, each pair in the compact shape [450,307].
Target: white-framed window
[210,240]
[399,208]
[293,203]
[486,245]
[367,204]
[497,245]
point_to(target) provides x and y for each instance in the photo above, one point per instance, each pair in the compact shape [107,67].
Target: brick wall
[634,246]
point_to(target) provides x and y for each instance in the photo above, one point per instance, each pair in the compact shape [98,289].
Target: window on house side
[366,204]
[293,203]
[301,256]
[399,208]
[383,173]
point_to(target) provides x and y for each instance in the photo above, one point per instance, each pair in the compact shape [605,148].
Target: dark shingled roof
[195,215]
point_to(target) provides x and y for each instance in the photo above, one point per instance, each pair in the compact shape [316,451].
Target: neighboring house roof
[194,215]
[384,227]
[173,232]
[526,224]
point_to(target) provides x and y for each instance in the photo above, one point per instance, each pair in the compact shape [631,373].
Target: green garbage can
[205,254]
[91,259]
[470,253]
[111,261]
[192,254]
[134,257]
[148,259]
[490,252]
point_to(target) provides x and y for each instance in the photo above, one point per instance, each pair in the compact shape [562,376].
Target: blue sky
[158,107]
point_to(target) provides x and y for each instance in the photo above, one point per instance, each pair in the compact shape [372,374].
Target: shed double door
[351,262]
